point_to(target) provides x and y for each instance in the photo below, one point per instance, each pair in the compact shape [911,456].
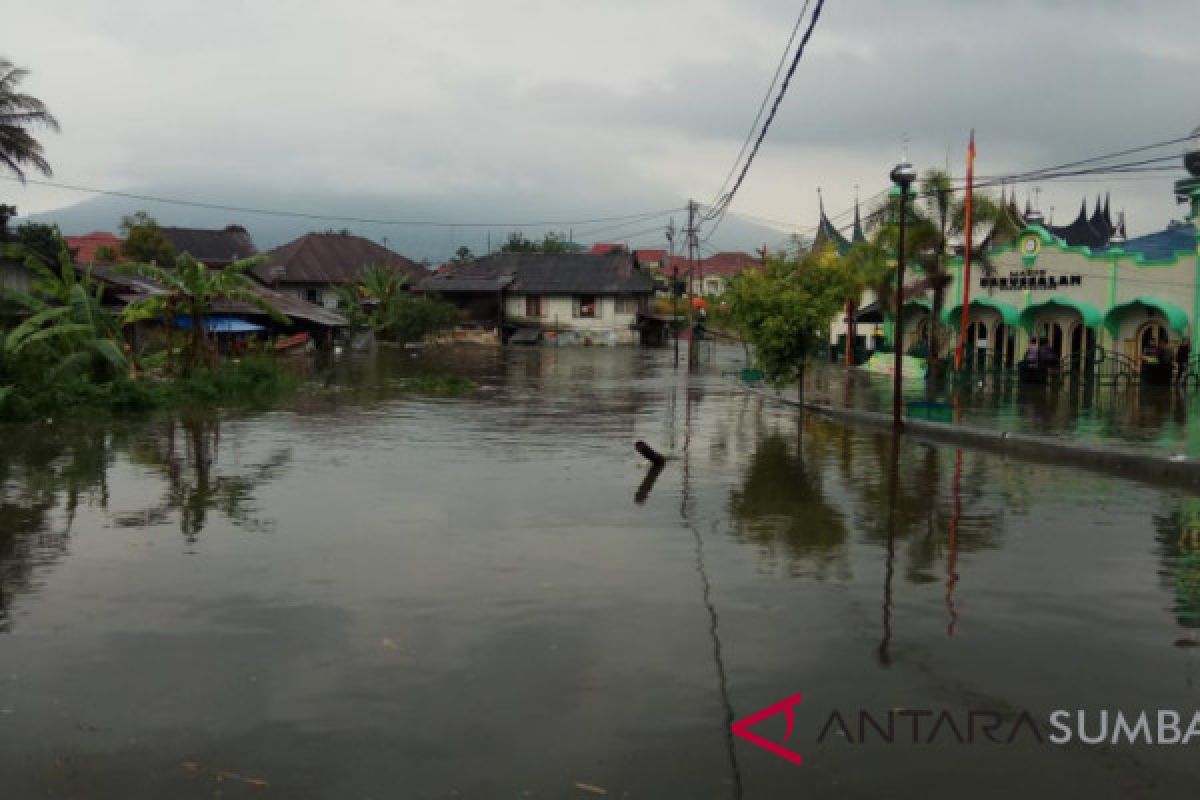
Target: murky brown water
[373,596]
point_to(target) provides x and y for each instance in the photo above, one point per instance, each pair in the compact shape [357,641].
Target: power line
[763,105]
[333,217]
[725,201]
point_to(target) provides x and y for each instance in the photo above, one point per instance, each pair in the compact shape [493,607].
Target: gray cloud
[540,100]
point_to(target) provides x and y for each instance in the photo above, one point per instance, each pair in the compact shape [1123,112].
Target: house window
[534,306]
[585,306]
[627,305]
[313,296]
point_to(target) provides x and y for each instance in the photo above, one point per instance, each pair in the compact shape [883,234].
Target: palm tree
[189,290]
[944,215]
[19,113]
[935,216]
[68,321]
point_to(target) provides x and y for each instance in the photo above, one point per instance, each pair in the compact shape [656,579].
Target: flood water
[370,594]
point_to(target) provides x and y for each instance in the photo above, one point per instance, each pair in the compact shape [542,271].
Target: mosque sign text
[1032,279]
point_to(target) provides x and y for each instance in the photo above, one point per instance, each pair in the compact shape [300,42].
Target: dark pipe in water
[647,452]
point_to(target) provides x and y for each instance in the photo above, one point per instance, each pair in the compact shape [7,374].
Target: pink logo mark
[742,728]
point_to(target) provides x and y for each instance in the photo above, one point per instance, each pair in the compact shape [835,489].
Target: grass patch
[250,383]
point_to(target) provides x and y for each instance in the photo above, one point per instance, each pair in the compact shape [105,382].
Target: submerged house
[312,267]
[584,296]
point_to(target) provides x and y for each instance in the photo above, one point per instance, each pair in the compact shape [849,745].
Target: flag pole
[966,274]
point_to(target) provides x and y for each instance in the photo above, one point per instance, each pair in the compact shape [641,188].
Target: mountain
[435,244]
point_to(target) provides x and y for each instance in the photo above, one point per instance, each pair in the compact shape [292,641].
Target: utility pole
[674,293]
[691,243]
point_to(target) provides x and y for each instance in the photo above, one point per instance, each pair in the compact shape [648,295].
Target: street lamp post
[903,176]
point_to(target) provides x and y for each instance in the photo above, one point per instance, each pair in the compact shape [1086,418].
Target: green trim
[1196,295]
[1091,315]
[1009,313]
[1050,240]
[1112,284]
[920,302]
[1177,318]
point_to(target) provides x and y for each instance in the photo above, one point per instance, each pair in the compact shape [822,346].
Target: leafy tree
[551,243]
[786,308]
[19,114]
[106,255]
[190,290]
[462,255]
[518,243]
[41,240]
[145,242]
[379,301]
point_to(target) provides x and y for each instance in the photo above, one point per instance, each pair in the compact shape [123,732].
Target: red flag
[966,273]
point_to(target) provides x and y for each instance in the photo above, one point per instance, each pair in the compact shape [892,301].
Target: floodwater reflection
[376,593]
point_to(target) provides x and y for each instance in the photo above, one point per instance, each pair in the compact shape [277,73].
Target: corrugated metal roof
[133,287]
[546,274]
[1164,244]
[331,258]
[212,245]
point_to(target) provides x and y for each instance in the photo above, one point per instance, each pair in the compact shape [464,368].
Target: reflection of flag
[966,273]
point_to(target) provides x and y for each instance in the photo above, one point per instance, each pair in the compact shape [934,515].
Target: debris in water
[587,787]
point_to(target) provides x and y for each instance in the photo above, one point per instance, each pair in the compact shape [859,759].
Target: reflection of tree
[781,507]
[185,450]
[48,472]
[924,500]
[41,468]
[1178,535]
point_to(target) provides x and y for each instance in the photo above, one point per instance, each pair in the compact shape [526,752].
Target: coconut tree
[940,215]
[20,114]
[190,289]
[935,217]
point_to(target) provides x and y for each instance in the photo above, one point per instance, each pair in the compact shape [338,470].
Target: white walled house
[584,297]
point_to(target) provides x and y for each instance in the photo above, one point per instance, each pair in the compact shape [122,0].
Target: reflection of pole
[706,598]
[952,549]
[884,655]
[691,243]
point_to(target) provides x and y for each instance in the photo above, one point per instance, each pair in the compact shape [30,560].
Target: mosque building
[1077,287]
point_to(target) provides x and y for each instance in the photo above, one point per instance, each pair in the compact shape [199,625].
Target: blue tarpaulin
[215,324]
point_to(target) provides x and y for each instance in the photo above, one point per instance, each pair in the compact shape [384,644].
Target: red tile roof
[604,248]
[83,248]
[728,263]
[659,256]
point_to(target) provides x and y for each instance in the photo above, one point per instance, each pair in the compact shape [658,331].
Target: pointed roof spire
[827,232]
[859,235]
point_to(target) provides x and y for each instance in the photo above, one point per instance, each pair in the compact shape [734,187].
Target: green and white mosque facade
[1077,286]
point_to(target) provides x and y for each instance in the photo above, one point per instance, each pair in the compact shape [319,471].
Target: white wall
[558,311]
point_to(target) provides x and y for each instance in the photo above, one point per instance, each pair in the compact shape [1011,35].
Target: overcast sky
[613,104]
